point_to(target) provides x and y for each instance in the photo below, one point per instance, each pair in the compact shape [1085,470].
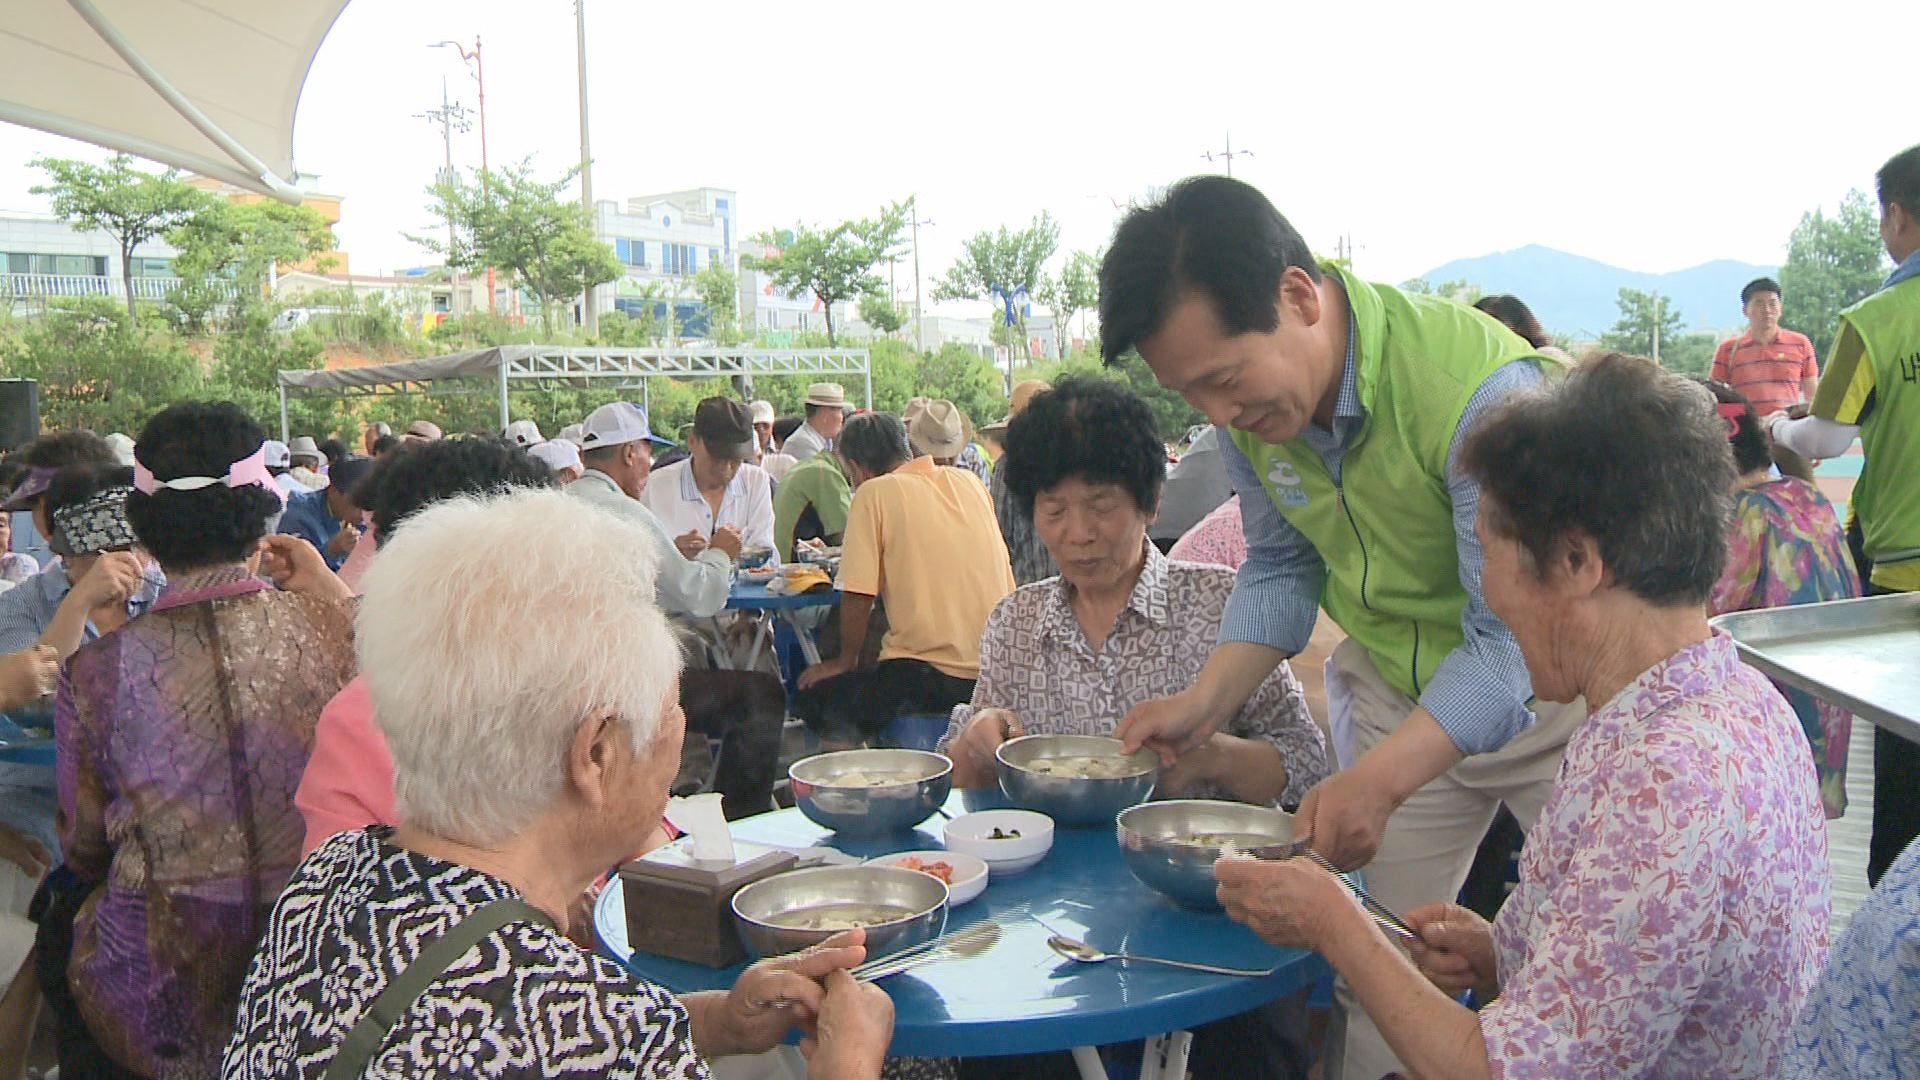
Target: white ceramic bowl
[969,872]
[970,834]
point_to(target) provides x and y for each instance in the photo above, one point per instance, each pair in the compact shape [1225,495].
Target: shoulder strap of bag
[358,1049]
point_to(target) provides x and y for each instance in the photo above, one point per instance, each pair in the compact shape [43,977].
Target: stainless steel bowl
[1067,800]
[797,890]
[926,780]
[1153,846]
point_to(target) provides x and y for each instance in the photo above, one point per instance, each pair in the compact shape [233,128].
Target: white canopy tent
[210,86]
[546,367]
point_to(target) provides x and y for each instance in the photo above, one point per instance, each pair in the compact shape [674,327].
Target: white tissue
[700,817]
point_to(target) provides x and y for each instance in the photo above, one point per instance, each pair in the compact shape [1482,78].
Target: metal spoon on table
[1084,953]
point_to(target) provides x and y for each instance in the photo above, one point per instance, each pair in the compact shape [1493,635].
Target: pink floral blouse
[1672,910]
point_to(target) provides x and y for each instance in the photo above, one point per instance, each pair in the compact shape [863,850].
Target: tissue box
[682,907]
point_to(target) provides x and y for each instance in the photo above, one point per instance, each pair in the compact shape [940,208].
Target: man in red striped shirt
[1773,367]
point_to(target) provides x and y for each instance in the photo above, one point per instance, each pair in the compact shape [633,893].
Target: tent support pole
[283,412]
[505,418]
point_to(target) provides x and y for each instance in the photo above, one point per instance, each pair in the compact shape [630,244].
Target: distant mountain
[1574,295]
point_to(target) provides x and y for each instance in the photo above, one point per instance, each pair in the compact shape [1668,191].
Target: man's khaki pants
[1431,839]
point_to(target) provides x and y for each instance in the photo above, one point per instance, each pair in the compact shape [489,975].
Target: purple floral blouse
[1672,910]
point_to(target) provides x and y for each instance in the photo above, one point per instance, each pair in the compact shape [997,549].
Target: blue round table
[1019,997]
[754,596]
[19,748]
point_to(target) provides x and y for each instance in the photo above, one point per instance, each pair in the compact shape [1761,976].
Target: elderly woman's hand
[1455,950]
[856,1024]
[27,675]
[784,992]
[973,751]
[296,566]
[1292,902]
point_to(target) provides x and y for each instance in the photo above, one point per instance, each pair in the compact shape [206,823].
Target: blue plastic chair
[914,732]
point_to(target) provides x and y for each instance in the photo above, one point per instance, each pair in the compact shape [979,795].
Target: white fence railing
[48,286]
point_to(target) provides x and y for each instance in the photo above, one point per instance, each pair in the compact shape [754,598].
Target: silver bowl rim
[999,756]
[946,897]
[1120,822]
[945,770]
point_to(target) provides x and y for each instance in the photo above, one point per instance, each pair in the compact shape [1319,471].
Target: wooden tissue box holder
[682,907]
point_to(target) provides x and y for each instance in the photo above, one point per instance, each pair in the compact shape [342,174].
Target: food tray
[1862,655]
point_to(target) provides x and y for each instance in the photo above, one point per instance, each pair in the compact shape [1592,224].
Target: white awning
[206,85]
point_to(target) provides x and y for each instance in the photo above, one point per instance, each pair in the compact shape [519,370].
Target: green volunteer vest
[1385,529]
[1887,498]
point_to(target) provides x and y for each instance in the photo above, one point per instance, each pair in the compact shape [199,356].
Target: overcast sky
[1654,136]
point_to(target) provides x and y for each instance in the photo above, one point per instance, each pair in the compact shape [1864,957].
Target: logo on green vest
[1287,490]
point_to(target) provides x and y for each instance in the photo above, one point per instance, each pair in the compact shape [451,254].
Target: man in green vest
[1344,406]
[1872,392]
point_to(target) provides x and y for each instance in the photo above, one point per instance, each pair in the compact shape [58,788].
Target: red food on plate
[941,870]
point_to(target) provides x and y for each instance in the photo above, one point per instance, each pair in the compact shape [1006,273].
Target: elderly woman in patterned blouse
[1120,625]
[1672,908]
[528,697]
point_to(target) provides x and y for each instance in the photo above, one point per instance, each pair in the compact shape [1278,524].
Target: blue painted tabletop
[1018,997]
[753,596]
[19,747]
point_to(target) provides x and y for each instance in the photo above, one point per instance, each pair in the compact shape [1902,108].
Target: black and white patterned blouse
[524,1002]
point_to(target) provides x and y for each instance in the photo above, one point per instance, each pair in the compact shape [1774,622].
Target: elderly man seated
[1120,625]
[924,538]
[745,710]
[527,759]
[714,487]
[328,518]
[811,504]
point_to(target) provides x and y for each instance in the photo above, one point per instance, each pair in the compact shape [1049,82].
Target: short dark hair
[1513,313]
[424,473]
[1898,181]
[1758,285]
[784,428]
[334,451]
[1210,234]
[1086,427]
[217,524]
[64,448]
[811,408]
[875,441]
[1621,450]
[384,443]
[1751,449]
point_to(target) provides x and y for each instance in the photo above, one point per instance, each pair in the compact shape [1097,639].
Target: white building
[43,256]
[663,240]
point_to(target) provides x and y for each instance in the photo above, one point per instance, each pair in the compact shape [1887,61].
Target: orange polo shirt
[925,539]
[1768,375]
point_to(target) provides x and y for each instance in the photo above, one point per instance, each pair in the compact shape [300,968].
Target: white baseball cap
[558,454]
[617,423]
[524,433]
[278,456]
[571,433]
[762,411]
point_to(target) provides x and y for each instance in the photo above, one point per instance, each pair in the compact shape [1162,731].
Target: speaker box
[19,413]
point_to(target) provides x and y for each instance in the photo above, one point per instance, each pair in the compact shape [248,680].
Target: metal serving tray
[1863,655]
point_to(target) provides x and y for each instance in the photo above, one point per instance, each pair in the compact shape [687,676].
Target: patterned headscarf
[97,524]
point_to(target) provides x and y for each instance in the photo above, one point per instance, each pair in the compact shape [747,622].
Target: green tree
[1690,354]
[880,312]
[1832,263]
[965,378]
[230,249]
[997,266]
[1454,289]
[719,290]
[128,204]
[1075,289]
[247,361]
[512,222]
[99,368]
[1648,323]
[834,264]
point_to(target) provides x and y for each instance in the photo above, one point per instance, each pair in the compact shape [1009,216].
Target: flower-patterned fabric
[1672,908]
[1785,547]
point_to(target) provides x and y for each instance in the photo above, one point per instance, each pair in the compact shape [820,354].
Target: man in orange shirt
[1772,367]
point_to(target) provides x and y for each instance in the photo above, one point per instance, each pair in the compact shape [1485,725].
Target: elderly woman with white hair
[532,715]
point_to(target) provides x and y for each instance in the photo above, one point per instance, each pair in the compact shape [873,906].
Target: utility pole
[1656,326]
[1228,154]
[451,116]
[486,180]
[919,313]
[590,306]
